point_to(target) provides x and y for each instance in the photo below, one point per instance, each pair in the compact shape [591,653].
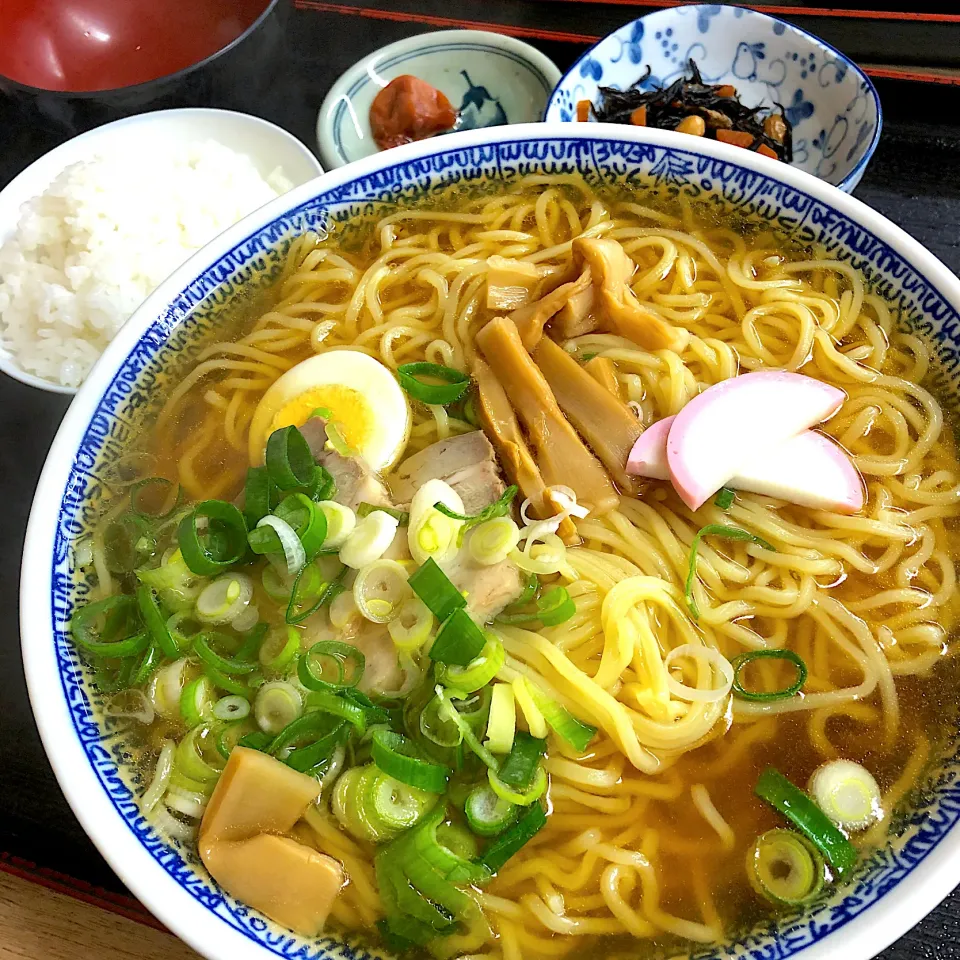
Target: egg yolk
[348,407]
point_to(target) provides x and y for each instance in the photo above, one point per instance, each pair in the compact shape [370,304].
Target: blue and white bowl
[831,102]
[489,78]
[892,889]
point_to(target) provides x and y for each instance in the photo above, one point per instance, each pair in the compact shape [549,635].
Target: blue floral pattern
[768,61]
[171,340]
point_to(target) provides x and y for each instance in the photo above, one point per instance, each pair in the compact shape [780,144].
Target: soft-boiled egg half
[362,395]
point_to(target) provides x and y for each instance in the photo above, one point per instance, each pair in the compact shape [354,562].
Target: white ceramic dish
[490,78]
[891,890]
[831,103]
[265,143]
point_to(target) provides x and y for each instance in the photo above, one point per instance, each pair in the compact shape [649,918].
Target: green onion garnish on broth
[522,796]
[459,640]
[324,412]
[554,607]
[326,701]
[307,519]
[713,530]
[514,838]
[289,460]
[156,622]
[226,682]
[337,441]
[401,516]
[478,672]
[740,661]
[808,818]
[499,508]
[260,495]
[221,544]
[150,659]
[455,383]
[397,756]
[434,588]
[310,593]
[488,814]
[521,763]
[448,711]
[724,499]
[162,493]
[196,701]
[327,654]
[203,648]
[563,723]
[279,648]
[785,867]
[118,611]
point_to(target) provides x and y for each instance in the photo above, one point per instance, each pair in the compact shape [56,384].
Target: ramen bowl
[830,102]
[894,886]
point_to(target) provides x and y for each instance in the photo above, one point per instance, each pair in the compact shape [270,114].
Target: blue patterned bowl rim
[911,881]
[853,177]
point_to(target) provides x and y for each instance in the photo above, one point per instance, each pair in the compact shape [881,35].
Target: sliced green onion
[321,733]
[398,757]
[323,412]
[321,486]
[308,521]
[310,593]
[151,657]
[190,760]
[412,625]
[231,708]
[279,648]
[434,588]
[493,540]
[397,805]
[455,386]
[808,818]
[724,499]
[519,766]
[165,490]
[713,530]
[459,640]
[289,460]
[337,441]
[740,661]
[328,702]
[847,793]
[369,541]
[340,522]
[202,647]
[155,622]
[554,607]
[196,702]
[222,544]
[335,654]
[522,796]
[401,516]
[260,495]
[436,847]
[225,682]
[499,508]
[502,721]
[175,582]
[449,712]
[513,839]
[478,672]
[442,731]
[225,599]
[564,724]
[785,867]
[118,611]
[276,706]
[488,814]
[229,735]
[380,590]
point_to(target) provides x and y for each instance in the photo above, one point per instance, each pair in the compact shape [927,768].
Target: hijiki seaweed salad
[689,105]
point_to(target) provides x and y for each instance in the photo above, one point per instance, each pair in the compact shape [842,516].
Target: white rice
[104,234]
